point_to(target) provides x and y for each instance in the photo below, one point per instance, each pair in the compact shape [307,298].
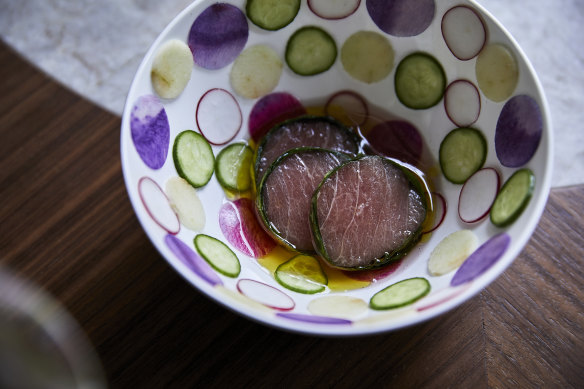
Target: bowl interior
[343,308]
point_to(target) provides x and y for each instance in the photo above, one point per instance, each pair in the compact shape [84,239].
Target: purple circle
[218,35]
[272,109]
[150,131]
[482,259]
[312,318]
[518,132]
[402,18]
[397,139]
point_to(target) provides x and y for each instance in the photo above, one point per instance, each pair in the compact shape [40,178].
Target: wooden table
[68,226]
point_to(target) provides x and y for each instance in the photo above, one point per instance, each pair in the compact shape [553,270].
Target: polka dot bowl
[225,71]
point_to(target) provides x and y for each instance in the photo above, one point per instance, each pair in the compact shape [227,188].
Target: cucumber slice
[193,158]
[400,294]
[513,198]
[302,274]
[462,152]
[218,255]
[420,81]
[233,167]
[272,14]
[310,50]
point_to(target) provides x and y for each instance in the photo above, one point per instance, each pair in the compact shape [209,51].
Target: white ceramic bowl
[254,293]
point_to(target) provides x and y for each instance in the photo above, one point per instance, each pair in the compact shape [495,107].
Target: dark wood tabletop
[67,225]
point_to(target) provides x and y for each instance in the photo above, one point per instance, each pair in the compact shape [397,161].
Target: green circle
[272,15]
[462,152]
[512,198]
[193,158]
[310,50]
[233,167]
[420,81]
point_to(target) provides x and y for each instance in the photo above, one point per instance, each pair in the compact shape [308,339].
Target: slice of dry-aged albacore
[366,213]
[306,131]
[285,193]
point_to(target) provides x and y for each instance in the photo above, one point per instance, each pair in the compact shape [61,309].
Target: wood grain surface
[67,225]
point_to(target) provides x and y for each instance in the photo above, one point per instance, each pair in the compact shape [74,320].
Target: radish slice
[349,107]
[256,72]
[367,56]
[497,72]
[218,35]
[343,307]
[518,132]
[477,195]
[186,203]
[241,228]
[333,9]
[218,116]
[171,69]
[451,252]
[464,32]
[192,260]
[397,139]
[150,131]
[271,110]
[240,299]
[482,259]
[462,103]
[440,208]
[313,318]
[157,205]
[265,294]
[375,274]
[440,297]
[402,18]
